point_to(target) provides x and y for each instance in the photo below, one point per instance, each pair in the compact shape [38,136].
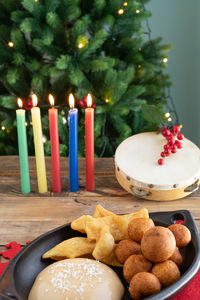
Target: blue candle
[73,145]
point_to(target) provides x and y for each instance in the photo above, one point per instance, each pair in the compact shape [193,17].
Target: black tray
[18,278]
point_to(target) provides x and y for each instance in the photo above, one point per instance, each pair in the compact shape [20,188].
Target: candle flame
[71,101]
[34,100]
[89,100]
[19,102]
[51,100]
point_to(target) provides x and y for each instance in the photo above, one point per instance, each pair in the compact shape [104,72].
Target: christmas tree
[80,46]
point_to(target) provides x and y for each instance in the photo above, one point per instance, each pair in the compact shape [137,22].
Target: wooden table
[25,217]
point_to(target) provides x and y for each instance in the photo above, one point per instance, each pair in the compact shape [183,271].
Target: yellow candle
[39,149]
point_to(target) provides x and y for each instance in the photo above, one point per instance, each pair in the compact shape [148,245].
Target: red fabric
[12,249]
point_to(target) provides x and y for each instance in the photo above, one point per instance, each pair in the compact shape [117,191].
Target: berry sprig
[83,103]
[172,144]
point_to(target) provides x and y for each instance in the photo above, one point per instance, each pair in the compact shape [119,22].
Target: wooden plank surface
[25,217]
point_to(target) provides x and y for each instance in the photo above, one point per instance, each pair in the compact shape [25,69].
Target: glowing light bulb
[80,45]
[64,120]
[140,49]
[139,66]
[181,126]
[120,11]
[169,119]
[165,60]
[11,44]
[106,100]
[44,139]
[26,124]
[137,11]
[125,3]
[3,127]
[167,115]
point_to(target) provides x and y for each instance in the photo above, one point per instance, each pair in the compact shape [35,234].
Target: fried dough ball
[182,234]
[135,264]
[144,284]
[167,272]
[158,244]
[177,257]
[126,248]
[137,227]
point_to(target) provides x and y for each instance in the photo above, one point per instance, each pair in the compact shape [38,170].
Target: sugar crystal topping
[82,271]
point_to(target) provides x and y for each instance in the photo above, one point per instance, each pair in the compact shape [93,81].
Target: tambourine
[138,171]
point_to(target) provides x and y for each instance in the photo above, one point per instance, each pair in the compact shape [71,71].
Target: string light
[26,124]
[62,112]
[44,139]
[106,100]
[165,60]
[80,45]
[82,41]
[169,119]
[120,11]
[125,3]
[11,44]
[36,0]
[181,126]
[140,49]
[64,120]
[137,11]
[139,66]
[167,115]
[3,127]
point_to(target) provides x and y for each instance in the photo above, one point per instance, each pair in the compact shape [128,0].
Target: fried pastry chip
[111,260]
[104,245]
[74,247]
[118,224]
[102,212]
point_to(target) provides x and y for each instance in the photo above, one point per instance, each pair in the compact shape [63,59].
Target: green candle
[23,149]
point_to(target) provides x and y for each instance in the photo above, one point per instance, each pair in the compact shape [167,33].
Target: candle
[39,150]
[89,144]
[55,151]
[23,149]
[73,145]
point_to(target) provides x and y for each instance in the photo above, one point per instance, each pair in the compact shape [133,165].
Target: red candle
[89,144]
[55,151]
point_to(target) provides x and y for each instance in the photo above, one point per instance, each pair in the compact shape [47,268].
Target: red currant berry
[166,147]
[173,148]
[166,132]
[180,136]
[171,140]
[162,154]
[81,104]
[161,161]
[167,152]
[178,144]
[175,130]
